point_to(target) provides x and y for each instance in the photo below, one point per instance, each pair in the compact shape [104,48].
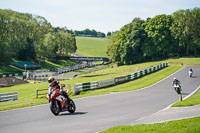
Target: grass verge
[27,92]
[135,84]
[191,101]
[178,126]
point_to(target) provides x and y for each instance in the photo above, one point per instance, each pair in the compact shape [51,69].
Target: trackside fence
[114,81]
[8,96]
[43,92]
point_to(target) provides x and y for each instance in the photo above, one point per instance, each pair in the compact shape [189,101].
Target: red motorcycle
[59,103]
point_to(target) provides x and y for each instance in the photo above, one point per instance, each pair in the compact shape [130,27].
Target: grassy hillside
[91,47]
[7,69]
[27,92]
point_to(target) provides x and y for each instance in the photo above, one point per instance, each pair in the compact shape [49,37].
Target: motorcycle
[190,73]
[59,103]
[177,88]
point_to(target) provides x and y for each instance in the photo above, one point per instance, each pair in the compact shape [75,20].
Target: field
[94,47]
[91,47]
[44,65]
[27,92]
[193,100]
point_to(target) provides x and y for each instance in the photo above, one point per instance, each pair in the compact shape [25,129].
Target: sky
[100,15]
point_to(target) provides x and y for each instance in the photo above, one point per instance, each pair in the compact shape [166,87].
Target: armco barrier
[8,96]
[121,79]
[105,83]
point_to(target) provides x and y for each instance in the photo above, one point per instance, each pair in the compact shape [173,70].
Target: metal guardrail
[114,81]
[8,96]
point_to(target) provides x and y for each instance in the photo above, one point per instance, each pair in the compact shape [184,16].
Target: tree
[160,43]
[30,37]
[126,44]
[89,33]
[195,31]
[109,34]
[185,28]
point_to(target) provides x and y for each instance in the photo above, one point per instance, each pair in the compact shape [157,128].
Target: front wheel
[54,107]
[178,90]
[72,106]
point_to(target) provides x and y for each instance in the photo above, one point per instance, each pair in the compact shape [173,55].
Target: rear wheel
[54,107]
[72,106]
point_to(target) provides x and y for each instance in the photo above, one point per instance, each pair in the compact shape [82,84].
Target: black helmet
[50,79]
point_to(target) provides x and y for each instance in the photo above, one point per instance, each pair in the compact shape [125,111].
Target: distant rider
[52,84]
[190,72]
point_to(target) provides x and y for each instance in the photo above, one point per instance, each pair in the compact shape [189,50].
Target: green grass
[135,84]
[61,63]
[9,69]
[179,126]
[27,92]
[185,61]
[191,101]
[44,65]
[91,47]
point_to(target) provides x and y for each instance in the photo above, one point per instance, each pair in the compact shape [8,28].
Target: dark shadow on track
[185,93]
[194,77]
[76,113]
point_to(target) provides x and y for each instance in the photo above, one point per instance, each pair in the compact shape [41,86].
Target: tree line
[25,36]
[89,33]
[160,37]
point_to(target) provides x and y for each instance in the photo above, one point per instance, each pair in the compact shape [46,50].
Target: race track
[98,113]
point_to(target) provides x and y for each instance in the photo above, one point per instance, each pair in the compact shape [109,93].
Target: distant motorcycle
[190,73]
[58,103]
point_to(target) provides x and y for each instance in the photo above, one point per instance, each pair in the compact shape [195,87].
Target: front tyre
[54,107]
[178,90]
[72,107]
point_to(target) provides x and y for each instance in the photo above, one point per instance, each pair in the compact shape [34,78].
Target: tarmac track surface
[98,113]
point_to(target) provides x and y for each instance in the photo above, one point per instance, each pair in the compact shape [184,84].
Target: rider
[52,84]
[190,71]
[176,81]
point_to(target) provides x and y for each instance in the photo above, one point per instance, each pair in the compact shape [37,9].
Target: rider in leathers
[177,82]
[52,84]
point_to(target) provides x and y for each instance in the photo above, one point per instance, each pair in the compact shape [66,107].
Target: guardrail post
[36,92]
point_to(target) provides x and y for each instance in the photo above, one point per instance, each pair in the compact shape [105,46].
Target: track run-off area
[97,113]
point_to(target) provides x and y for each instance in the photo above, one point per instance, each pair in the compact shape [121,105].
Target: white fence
[8,96]
[114,81]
